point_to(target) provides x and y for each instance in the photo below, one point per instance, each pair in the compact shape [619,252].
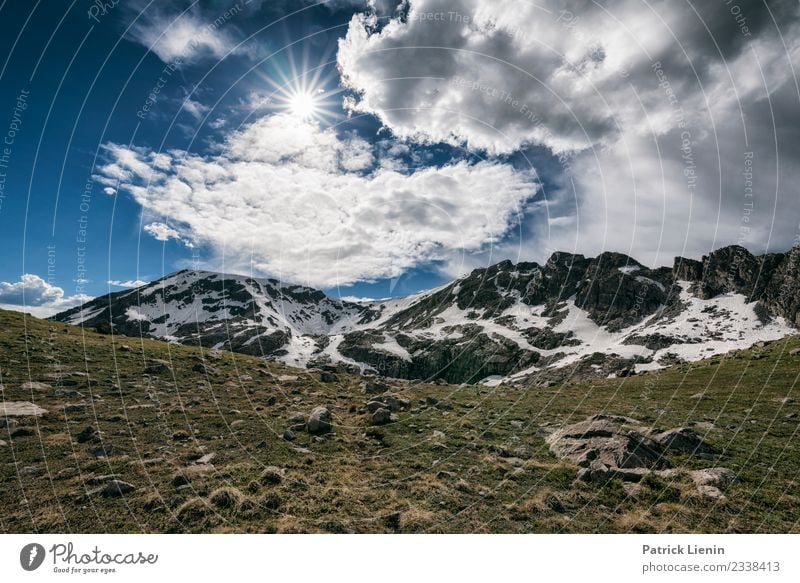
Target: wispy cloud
[129,283]
[186,37]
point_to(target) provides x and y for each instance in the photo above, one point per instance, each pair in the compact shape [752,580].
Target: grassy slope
[399,477]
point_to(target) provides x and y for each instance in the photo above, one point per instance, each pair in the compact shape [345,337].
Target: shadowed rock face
[498,321]
[772,279]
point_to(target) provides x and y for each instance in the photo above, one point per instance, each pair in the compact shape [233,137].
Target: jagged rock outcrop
[773,280]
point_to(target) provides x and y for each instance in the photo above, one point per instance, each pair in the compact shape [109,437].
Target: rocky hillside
[572,317]
[99,433]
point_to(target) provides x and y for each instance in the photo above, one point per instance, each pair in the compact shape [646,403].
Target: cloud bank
[673,124]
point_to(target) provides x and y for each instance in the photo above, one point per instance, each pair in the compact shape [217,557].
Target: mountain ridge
[524,322]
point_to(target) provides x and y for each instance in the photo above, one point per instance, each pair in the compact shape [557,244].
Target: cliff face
[773,280]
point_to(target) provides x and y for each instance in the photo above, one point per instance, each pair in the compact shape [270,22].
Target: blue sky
[369,149]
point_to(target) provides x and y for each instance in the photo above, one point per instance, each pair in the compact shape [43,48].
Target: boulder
[374,387]
[603,438]
[683,439]
[203,369]
[20,409]
[319,421]
[32,386]
[381,417]
[158,366]
[113,489]
[328,377]
[373,406]
[391,402]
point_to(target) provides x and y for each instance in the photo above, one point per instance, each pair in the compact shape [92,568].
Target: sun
[304,105]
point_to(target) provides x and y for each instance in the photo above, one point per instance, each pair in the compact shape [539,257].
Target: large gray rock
[319,421]
[20,409]
[607,440]
[33,386]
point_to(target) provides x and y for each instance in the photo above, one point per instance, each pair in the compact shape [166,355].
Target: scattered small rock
[288,435]
[87,434]
[9,424]
[381,417]
[713,482]
[102,450]
[206,459]
[113,489]
[203,368]
[319,421]
[374,387]
[74,407]
[158,366]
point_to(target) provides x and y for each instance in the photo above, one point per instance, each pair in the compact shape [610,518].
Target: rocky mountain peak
[573,316]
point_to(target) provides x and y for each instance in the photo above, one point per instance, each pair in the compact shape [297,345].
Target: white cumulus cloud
[288,198]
